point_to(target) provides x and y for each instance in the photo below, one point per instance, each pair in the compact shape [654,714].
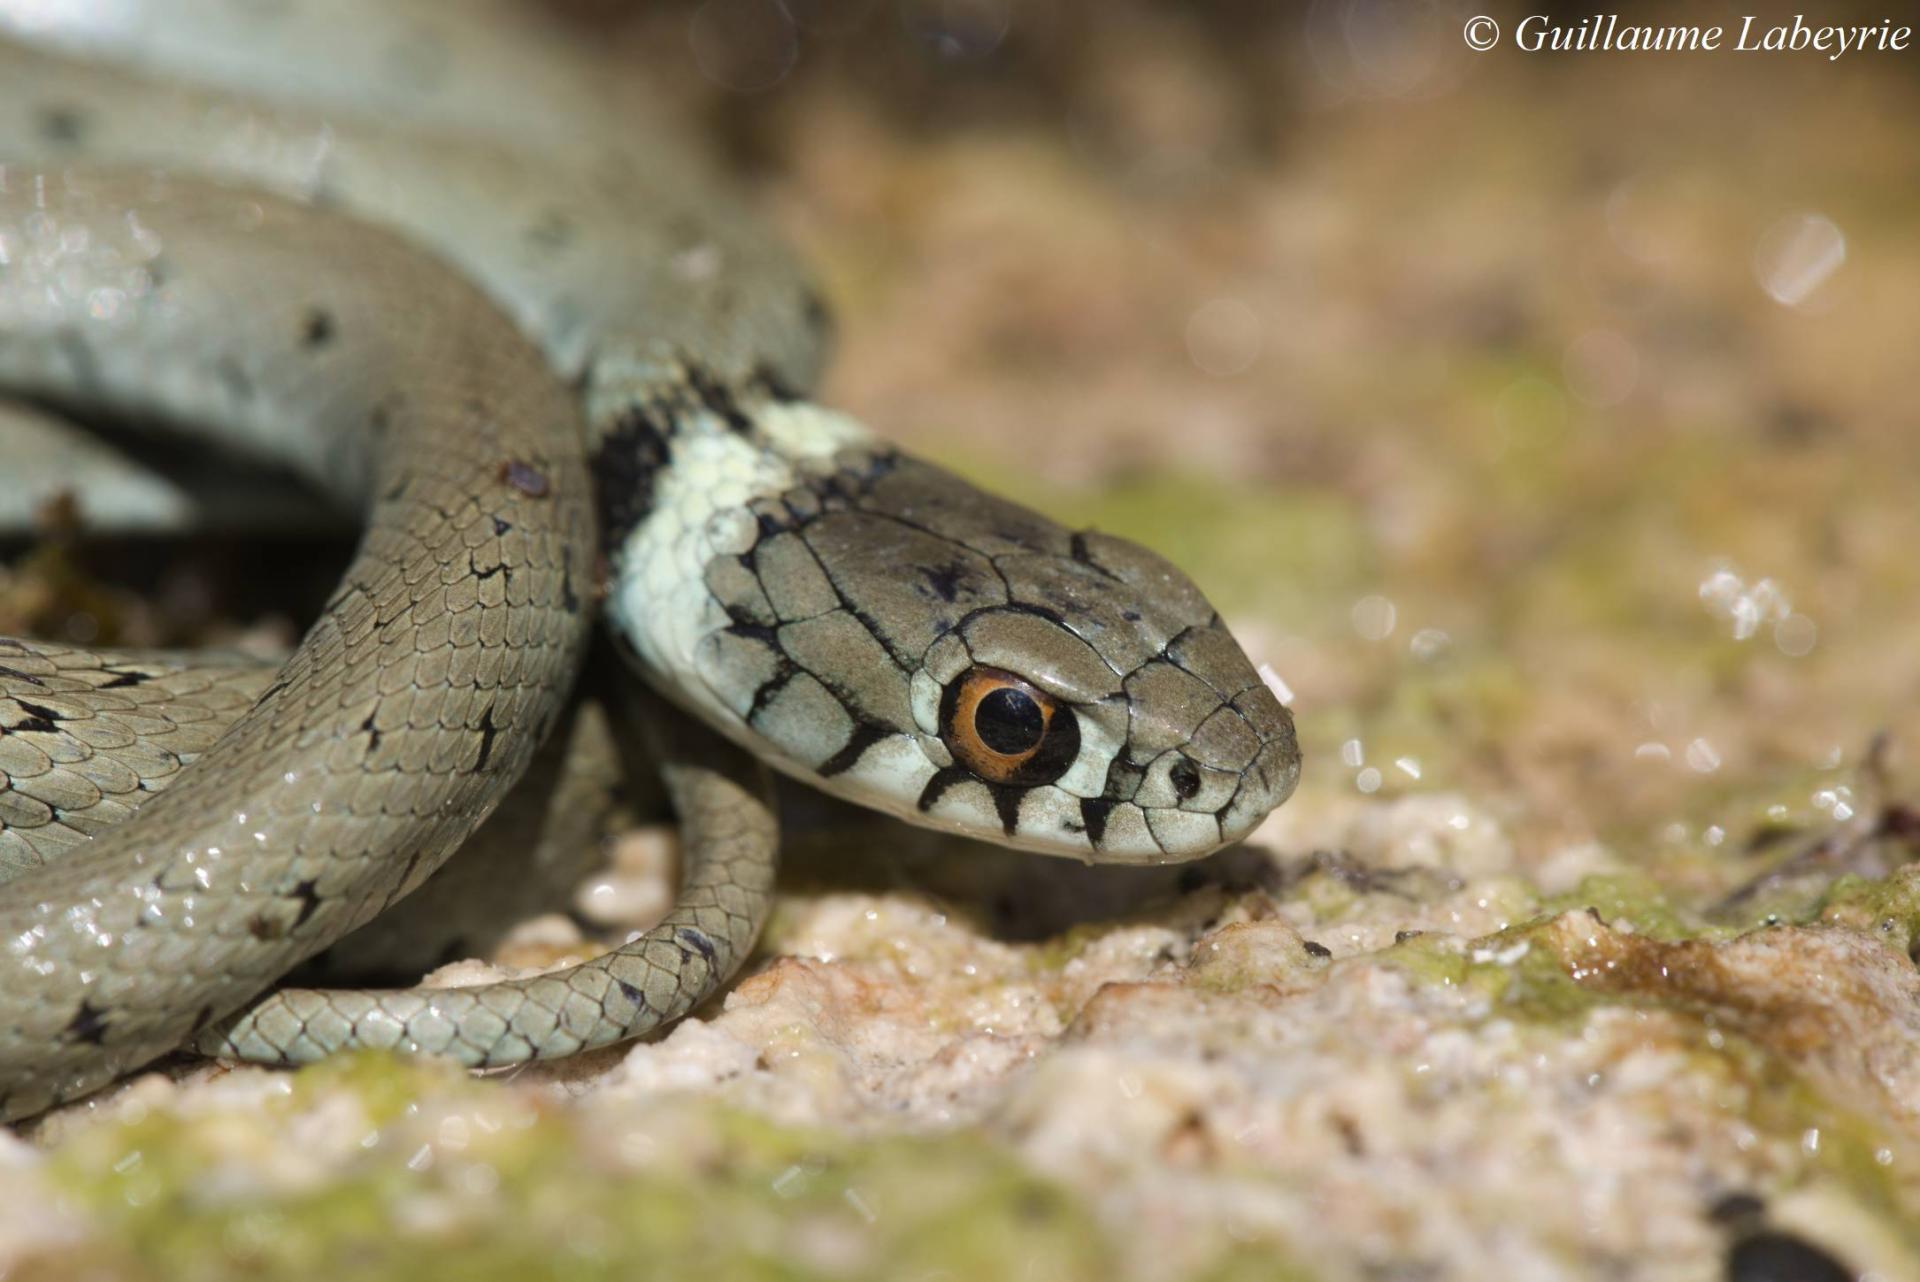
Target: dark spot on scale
[121,680]
[1773,1256]
[61,123]
[1316,949]
[1006,801]
[632,994]
[568,600]
[234,378]
[309,898]
[316,330]
[202,1019]
[1093,813]
[551,231]
[31,725]
[1131,616]
[88,1025]
[813,310]
[373,733]
[698,941]
[500,526]
[487,733]
[526,478]
[266,929]
[945,580]
[17,675]
[488,573]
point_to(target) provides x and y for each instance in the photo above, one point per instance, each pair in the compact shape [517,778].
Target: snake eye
[1006,731]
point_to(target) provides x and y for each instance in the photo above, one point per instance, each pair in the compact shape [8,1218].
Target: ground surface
[1548,428]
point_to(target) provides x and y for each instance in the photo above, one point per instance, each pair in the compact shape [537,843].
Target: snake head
[880,628]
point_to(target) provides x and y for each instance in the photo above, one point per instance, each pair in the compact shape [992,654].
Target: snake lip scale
[556,371]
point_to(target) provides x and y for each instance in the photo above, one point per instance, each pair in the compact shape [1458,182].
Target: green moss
[1834,1142]
[1257,1263]
[1888,908]
[1518,969]
[531,1194]
[1527,978]
[1510,969]
[1626,897]
[385,1086]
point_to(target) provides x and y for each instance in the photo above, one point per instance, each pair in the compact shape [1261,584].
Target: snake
[452,273]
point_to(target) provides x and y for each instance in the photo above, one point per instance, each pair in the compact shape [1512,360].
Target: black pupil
[1009,721]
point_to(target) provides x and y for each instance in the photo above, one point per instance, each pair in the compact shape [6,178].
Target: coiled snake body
[179,832]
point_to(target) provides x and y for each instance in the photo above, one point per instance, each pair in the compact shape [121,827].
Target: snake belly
[847,614]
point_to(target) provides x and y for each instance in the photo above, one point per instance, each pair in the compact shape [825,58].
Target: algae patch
[415,1173]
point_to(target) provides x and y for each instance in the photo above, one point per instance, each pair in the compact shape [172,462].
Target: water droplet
[747,46]
[960,28]
[1224,337]
[1281,690]
[1796,635]
[1798,255]
[1702,757]
[1374,617]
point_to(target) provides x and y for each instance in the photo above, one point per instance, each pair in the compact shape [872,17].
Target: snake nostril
[1184,778]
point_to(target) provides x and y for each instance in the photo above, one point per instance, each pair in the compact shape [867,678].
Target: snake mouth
[1266,786]
[1236,765]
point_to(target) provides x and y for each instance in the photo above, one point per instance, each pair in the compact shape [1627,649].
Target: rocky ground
[1545,425]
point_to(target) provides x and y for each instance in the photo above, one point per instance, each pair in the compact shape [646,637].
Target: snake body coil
[846,613]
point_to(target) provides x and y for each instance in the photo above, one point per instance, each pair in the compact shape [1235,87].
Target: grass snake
[447,269]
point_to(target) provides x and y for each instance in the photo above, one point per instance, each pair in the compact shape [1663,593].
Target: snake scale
[438,264]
